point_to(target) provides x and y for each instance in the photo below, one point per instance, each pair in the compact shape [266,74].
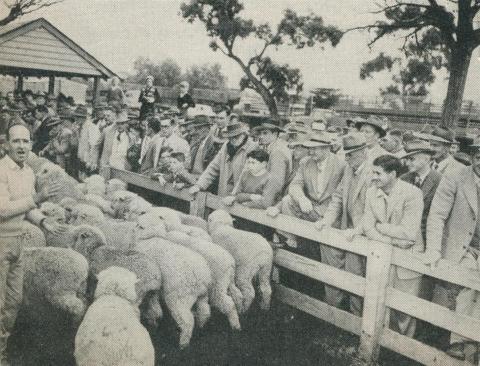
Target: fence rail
[375,288]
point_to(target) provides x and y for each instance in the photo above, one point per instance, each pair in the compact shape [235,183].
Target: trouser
[401,322]
[11,285]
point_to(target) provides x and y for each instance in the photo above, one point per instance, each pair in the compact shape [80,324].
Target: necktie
[119,136]
[418,181]
[434,165]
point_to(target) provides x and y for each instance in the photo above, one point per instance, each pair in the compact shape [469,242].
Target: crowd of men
[413,190]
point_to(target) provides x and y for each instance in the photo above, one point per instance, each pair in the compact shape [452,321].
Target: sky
[116,32]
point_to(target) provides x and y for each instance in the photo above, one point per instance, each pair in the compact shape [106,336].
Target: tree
[19,8]
[324,98]
[167,73]
[225,25]
[206,77]
[441,33]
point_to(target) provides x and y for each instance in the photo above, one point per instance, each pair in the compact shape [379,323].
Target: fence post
[375,317]
[197,205]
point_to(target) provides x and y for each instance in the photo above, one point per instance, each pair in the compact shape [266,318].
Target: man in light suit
[453,233]
[348,203]
[315,182]
[393,214]
[374,129]
[441,140]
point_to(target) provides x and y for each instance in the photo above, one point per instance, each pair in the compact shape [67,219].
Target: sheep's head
[86,239]
[49,171]
[219,217]
[136,207]
[53,210]
[170,217]
[120,202]
[150,226]
[68,205]
[117,281]
[95,184]
[86,214]
[114,185]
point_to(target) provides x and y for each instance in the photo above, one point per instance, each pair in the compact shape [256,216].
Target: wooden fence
[375,288]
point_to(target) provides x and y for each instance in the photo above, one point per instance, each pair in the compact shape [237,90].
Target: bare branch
[22,7]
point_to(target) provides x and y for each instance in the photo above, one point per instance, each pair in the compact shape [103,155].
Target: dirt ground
[279,337]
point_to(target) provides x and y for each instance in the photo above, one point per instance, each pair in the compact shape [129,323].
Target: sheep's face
[49,171]
[117,281]
[120,202]
[86,214]
[136,207]
[86,239]
[68,205]
[114,185]
[220,217]
[170,217]
[53,210]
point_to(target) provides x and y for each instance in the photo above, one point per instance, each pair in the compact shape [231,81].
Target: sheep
[33,235]
[100,202]
[222,266]
[111,333]
[148,273]
[123,202]
[51,173]
[53,210]
[95,184]
[150,226]
[173,222]
[121,235]
[253,256]
[114,185]
[191,220]
[68,205]
[35,162]
[186,279]
[56,277]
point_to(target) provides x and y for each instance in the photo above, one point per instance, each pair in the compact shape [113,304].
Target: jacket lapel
[396,197]
[470,190]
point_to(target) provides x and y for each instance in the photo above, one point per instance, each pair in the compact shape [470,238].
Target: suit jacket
[228,171]
[428,187]
[338,205]
[152,153]
[453,215]
[453,167]
[400,219]
[305,182]
[107,137]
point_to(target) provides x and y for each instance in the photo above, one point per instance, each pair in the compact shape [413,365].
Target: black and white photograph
[239,182]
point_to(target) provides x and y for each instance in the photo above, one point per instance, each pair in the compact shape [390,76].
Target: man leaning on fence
[393,213]
[18,203]
[453,233]
[348,203]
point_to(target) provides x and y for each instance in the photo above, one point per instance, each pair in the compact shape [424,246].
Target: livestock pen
[380,298]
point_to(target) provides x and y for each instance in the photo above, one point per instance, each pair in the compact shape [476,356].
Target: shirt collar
[12,165]
[424,175]
[359,169]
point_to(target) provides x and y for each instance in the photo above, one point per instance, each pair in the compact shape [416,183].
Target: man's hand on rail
[194,189]
[431,258]
[305,205]
[350,234]
[322,225]
[273,211]
[229,200]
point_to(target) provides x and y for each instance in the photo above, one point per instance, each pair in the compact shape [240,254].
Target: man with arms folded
[18,203]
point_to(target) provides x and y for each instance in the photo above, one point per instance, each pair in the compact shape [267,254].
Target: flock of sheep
[120,254]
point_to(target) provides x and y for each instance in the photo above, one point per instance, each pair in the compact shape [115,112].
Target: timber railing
[376,287]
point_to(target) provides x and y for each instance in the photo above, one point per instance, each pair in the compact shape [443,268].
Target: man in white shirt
[174,142]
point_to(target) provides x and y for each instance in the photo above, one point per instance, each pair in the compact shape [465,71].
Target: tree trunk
[452,107]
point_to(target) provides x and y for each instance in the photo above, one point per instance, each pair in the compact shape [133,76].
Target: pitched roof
[38,46]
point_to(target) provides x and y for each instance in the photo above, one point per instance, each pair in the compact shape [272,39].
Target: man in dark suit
[148,97]
[185,100]
[418,160]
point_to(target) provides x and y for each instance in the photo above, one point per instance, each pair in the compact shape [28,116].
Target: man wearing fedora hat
[228,164]
[197,132]
[441,139]
[317,178]
[279,164]
[453,233]
[374,129]
[348,204]
[116,142]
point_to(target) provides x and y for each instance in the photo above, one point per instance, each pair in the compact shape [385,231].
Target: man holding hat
[116,142]
[279,164]
[453,233]
[148,97]
[441,139]
[228,164]
[348,205]
[374,129]
[317,177]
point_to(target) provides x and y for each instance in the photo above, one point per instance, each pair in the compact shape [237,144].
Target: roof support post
[20,83]
[51,85]
[95,90]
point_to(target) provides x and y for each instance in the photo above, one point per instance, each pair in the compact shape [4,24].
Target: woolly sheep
[173,222]
[121,235]
[150,281]
[51,173]
[68,205]
[114,185]
[57,277]
[150,226]
[191,220]
[186,279]
[35,162]
[53,210]
[222,266]
[121,202]
[34,236]
[95,184]
[111,333]
[253,256]
[100,202]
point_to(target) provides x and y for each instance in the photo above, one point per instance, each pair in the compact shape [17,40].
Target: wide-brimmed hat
[475,143]
[380,125]
[80,111]
[233,129]
[354,141]
[122,117]
[443,134]
[417,146]
[268,126]
[52,121]
[318,139]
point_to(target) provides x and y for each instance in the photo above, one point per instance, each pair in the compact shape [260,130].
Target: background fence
[376,287]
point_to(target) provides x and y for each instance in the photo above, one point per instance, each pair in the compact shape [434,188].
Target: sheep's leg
[202,313]
[244,283]
[224,303]
[264,286]
[153,309]
[180,310]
